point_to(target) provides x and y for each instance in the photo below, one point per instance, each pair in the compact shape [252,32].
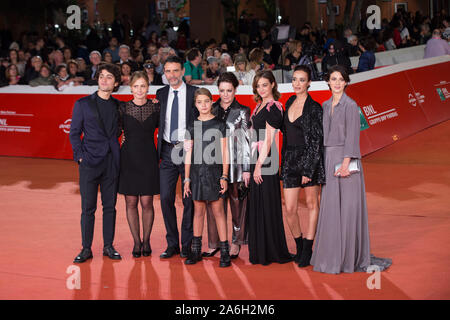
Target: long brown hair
[266,74]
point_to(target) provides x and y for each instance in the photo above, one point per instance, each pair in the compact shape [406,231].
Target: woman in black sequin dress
[302,164]
[139,172]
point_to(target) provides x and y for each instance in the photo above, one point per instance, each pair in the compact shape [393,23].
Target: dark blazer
[95,144]
[312,160]
[162,95]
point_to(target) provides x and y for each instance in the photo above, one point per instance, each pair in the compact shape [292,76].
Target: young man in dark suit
[177,113]
[97,154]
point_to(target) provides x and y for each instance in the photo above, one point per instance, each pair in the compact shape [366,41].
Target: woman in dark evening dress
[206,174]
[266,237]
[302,161]
[342,242]
[139,172]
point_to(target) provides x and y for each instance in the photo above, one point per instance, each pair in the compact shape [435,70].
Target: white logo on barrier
[66,125]
[416,97]
[74,20]
[369,110]
[374,20]
[375,117]
[4,127]
[412,100]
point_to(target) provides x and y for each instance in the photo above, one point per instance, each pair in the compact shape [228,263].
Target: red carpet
[408,188]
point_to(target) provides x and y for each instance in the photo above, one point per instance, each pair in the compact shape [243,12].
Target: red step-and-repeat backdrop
[393,106]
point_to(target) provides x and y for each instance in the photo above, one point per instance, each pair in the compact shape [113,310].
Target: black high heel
[145,252]
[137,253]
[210,254]
[234,256]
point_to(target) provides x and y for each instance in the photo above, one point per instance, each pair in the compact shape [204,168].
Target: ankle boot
[196,251]
[305,258]
[225,259]
[299,244]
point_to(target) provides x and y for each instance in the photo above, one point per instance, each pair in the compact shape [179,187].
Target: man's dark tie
[174,118]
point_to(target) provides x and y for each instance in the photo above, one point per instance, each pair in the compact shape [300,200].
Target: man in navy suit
[177,113]
[97,153]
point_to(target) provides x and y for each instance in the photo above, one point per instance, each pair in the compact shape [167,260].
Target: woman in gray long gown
[342,241]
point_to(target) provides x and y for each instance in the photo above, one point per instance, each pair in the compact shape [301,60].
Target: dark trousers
[105,176]
[169,174]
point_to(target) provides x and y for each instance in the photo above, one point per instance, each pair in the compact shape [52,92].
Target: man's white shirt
[181,113]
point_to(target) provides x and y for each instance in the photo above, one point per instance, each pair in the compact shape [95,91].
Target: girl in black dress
[266,237]
[302,161]
[139,172]
[206,174]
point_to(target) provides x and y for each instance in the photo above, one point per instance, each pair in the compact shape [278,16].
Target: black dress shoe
[170,251]
[84,255]
[111,253]
[185,252]
[137,251]
[210,254]
[146,250]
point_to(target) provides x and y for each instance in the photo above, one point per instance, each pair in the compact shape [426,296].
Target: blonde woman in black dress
[139,172]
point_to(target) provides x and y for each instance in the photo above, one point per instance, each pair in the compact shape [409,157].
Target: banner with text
[393,106]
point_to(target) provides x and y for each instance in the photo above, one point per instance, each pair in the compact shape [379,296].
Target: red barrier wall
[393,106]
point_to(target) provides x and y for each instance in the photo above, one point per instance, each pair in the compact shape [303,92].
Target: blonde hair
[239,58]
[139,75]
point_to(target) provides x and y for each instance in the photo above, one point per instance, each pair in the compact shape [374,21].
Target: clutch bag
[242,191]
[353,166]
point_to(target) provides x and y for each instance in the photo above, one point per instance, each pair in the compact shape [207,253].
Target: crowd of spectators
[55,60]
